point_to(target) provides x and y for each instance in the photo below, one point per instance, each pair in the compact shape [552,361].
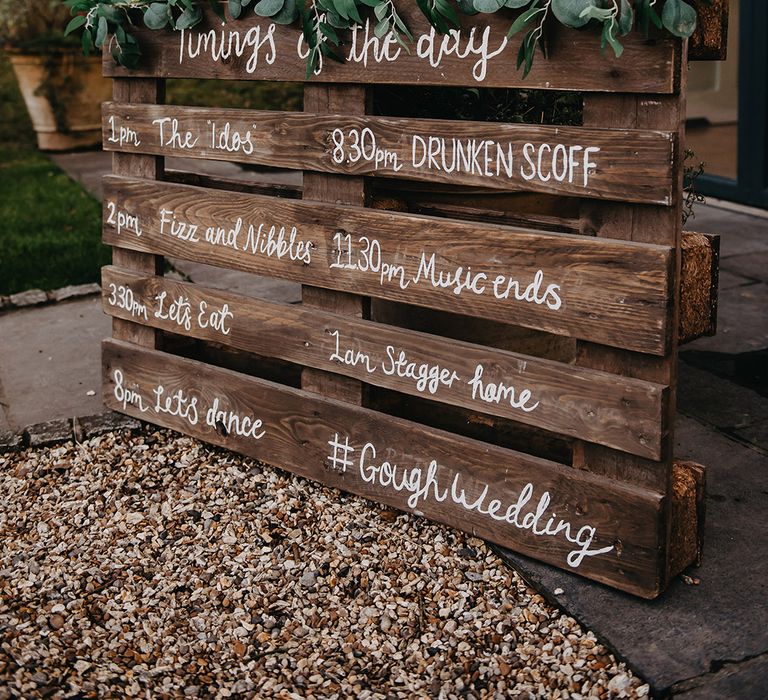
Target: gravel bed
[154,566]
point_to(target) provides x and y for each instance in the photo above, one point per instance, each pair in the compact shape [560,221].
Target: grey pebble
[161,599]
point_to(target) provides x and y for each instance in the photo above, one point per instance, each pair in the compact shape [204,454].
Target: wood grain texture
[336,189]
[144,166]
[630,165]
[299,429]
[616,293]
[597,406]
[660,225]
[647,64]
[699,273]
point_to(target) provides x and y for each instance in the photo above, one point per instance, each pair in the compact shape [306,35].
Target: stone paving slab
[740,233]
[729,280]
[85,427]
[717,401]
[742,321]
[50,361]
[691,629]
[10,441]
[742,681]
[755,434]
[78,428]
[753,266]
[49,433]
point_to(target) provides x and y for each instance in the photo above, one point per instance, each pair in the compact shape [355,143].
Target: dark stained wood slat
[269,52]
[615,293]
[629,165]
[336,189]
[697,319]
[596,406]
[658,225]
[145,166]
[488,491]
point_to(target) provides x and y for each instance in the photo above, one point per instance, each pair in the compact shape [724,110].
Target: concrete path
[699,641]
[50,365]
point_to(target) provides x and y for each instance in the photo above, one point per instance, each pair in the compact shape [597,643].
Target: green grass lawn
[50,227]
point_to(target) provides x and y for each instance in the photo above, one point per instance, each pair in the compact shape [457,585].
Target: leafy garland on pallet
[321,20]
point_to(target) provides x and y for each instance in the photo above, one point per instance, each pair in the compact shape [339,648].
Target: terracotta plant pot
[63,91]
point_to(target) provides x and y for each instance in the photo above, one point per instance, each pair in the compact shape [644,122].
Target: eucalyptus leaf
[101,32]
[626,17]
[488,6]
[235,8]
[381,29]
[602,14]
[679,18]
[336,20]
[268,8]
[189,18]
[571,13]
[647,15]
[74,23]
[609,38]
[288,15]
[217,9]
[447,11]
[110,13]
[156,16]
[523,20]
[329,33]
[87,42]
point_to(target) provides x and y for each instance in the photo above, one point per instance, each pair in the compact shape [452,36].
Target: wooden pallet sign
[514,382]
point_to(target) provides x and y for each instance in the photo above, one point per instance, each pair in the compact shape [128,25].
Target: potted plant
[63,89]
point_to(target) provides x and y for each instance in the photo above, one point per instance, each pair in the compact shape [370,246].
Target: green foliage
[692,171]
[322,20]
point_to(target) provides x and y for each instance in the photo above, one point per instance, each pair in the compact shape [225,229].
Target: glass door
[728,111]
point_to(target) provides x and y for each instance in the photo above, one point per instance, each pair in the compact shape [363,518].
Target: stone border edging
[57,431]
[37,297]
